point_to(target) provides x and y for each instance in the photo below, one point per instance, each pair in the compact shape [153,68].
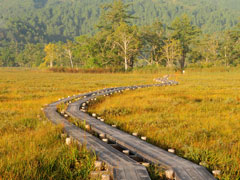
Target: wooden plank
[184,169]
[121,165]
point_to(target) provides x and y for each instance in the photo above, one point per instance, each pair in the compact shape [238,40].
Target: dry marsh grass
[200,118]
[30,146]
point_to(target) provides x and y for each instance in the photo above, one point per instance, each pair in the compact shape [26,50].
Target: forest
[121,34]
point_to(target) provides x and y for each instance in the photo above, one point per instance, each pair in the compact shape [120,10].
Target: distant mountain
[61,19]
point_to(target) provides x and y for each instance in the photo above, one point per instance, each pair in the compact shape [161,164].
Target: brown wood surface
[121,165]
[183,169]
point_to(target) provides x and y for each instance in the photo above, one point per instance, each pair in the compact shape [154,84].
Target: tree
[104,49]
[153,40]
[113,14]
[171,51]
[230,47]
[21,31]
[209,47]
[186,33]
[126,39]
[68,48]
[7,58]
[105,41]
[31,56]
[8,53]
[235,37]
[51,54]
[82,51]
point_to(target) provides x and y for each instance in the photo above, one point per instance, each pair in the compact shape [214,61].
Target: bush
[83,70]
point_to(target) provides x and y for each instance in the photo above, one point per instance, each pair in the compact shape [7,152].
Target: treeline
[57,20]
[119,44]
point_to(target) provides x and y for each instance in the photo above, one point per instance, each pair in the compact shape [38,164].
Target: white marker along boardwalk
[123,165]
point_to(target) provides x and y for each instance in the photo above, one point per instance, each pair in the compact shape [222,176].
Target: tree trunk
[182,61]
[225,55]
[131,61]
[153,55]
[51,63]
[168,58]
[125,56]
[51,60]
[70,58]
[126,65]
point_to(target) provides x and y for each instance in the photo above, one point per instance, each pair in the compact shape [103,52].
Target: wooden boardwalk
[121,166]
[183,169]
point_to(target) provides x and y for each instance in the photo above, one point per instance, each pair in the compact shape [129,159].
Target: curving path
[123,166]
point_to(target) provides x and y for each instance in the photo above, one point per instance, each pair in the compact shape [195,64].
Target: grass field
[30,146]
[200,118]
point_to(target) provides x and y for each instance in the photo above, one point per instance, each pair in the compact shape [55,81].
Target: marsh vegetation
[198,118]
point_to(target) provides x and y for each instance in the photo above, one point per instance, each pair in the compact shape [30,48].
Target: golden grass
[30,146]
[200,118]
